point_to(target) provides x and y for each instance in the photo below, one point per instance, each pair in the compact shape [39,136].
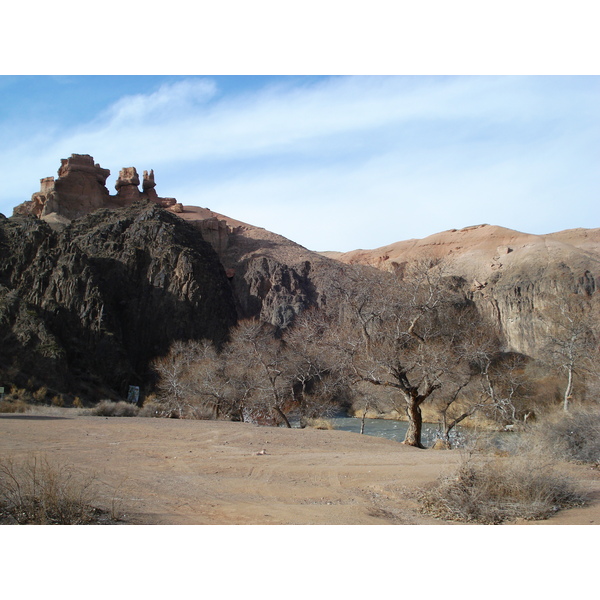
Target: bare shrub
[13,406]
[499,489]
[151,408]
[573,436]
[108,408]
[38,492]
[325,424]
[40,394]
[19,394]
[57,400]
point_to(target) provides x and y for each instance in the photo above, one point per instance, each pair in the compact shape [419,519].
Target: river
[386,428]
[396,430]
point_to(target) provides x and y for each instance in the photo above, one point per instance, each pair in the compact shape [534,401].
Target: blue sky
[333,163]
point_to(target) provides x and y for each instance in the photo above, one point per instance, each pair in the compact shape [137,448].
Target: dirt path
[161,471]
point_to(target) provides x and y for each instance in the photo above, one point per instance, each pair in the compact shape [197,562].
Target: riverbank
[166,471]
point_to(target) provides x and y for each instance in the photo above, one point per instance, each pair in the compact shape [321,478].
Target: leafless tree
[257,352]
[175,381]
[572,340]
[410,336]
[312,365]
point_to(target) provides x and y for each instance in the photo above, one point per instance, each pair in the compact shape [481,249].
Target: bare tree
[312,365]
[572,340]
[410,337]
[175,381]
[258,353]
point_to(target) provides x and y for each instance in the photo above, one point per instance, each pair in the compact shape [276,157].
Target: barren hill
[513,276]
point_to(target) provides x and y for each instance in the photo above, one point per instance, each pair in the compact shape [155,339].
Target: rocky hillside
[93,285]
[85,308]
[273,278]
[515,278]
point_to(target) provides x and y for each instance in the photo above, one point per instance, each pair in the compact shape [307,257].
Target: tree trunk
[282,415]
[415,424]
[569,389]
[445,430]
[362,421]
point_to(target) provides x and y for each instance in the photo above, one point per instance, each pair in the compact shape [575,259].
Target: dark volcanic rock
[107,294]
[273,278]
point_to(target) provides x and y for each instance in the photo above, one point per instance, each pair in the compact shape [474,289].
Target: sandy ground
[161,471]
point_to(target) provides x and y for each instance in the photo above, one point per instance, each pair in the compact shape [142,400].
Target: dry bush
[572,436]
[57,400]
[13,406]
[77,403]
[151,408]
[499,489]
[40,395]
[38,492]
[19,394]
[108,408]
[319,424]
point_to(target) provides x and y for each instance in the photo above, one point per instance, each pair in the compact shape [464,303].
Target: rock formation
[81,189]
[273,278]
[110,290]
[514,277]
[86,308]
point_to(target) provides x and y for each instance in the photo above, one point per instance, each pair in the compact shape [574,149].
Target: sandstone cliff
[273,278]
[81,189]
[112,288]
[515,278]
[88,306]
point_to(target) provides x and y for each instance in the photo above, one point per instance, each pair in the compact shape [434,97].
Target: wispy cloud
[349,161]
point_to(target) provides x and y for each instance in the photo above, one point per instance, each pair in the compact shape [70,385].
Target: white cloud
[166,104]
[382,159]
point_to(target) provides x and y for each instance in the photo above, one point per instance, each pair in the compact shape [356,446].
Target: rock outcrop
[273,278]
[86,308]
[126,281]
[514,278]
[81,189]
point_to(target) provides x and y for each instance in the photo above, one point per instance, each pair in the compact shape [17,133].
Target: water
[396,430]
[385,428]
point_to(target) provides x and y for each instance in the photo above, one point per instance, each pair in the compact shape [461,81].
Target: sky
[331,162]
[442,115]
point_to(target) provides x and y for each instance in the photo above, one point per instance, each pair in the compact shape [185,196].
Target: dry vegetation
[500,489]
[108,408]
[35,491]
[523,483]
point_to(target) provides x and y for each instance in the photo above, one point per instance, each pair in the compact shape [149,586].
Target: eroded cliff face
[81,189]
[105,295]
[515,279]
[273,278]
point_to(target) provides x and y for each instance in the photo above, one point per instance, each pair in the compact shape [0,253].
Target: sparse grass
[8,405]
[36,491]
[40,394]
[108,408]
[319,424]
[572,436]
[500,489]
